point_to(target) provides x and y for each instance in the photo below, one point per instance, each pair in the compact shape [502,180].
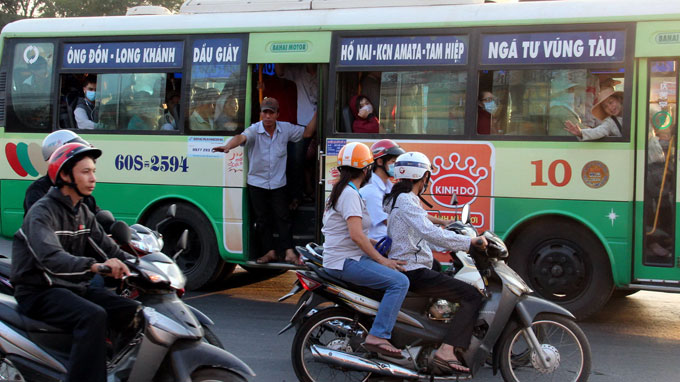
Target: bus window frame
[186,92]
[8,64]
[334,69]
[473,68]
[628,66]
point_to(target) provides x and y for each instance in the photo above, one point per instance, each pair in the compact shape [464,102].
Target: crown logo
[460,177]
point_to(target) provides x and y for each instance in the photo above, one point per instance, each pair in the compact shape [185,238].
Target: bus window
[405,102]
[217,86]
[540,102]
[132,101]
[31,91]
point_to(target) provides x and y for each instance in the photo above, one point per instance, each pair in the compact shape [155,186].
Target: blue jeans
[368,273]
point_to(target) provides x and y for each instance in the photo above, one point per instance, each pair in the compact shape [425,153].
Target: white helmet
[57,139]
[412,165]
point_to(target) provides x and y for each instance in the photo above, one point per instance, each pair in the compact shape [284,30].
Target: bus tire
[565,263]
[201,262]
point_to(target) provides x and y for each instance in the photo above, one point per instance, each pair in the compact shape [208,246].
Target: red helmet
[66,153]
[386,147]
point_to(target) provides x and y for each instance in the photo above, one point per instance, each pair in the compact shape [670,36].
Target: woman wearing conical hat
[607,109]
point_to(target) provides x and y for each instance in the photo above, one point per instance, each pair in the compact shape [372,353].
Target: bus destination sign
[414,50]
[124,55]
[554,48]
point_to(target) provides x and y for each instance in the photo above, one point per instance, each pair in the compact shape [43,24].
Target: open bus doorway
[296,87]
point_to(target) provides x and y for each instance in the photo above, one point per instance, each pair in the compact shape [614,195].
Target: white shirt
[307,92]
[267,154]
[607,128]
[338,246]
[411,230]
[374,193]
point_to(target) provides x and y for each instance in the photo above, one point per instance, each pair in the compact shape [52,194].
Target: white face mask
[368,108]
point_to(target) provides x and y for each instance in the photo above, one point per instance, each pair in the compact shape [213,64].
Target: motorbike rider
[349,254]
[411,230]
[385,152]
[40,186]
[55,253]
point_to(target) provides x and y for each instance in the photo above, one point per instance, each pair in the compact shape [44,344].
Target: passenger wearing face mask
[412,233]
[487,105]
[563,106]
[365,120]
[385,152]
[85,113]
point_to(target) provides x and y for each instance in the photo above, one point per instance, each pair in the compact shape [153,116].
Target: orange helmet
[355,154]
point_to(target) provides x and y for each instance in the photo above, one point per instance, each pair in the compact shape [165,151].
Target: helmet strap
[74,186]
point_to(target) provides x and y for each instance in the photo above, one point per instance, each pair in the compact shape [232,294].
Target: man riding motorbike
[411,229]
[56,252]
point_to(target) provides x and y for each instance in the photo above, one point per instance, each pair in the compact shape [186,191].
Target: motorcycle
[167,345]
[144,241]
[526,337]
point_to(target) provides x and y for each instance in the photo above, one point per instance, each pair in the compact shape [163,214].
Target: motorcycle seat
[9,314]
[5,266]
[374,294]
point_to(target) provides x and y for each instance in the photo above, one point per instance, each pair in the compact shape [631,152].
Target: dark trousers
[427,282]
[271,208]
[87,317]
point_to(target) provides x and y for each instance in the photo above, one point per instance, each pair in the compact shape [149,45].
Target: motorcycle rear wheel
[212,374]
[563,340]
[334,328]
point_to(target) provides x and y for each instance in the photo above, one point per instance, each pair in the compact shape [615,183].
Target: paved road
[636,338]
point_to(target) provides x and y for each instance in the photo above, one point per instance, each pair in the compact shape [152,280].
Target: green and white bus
[583,219]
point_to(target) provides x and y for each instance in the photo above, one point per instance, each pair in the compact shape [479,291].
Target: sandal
[267,258]
[450,366]
[384,348]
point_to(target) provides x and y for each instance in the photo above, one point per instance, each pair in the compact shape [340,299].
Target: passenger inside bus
[85,113]
[204,109]
[487,107]
[365,120]
[226,112]
[145,112]
[171,112]
[607,109]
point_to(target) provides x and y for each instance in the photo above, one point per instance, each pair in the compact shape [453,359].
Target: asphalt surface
[636,338]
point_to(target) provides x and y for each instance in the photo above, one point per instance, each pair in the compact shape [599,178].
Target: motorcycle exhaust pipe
[360,364]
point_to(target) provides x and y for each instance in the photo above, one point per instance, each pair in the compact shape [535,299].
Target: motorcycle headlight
[174,275]
[155,277]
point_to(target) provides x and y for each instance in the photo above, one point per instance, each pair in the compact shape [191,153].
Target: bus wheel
[565,263]
[201,262]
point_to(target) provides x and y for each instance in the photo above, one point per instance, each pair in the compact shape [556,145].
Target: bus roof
[433,16]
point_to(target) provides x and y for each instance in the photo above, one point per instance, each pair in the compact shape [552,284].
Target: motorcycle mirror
[170,214]
[105,219]
[121,232]
[172,210]
[454,200]
[181,244]
[465,214]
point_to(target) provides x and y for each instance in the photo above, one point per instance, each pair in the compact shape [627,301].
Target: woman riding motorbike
[349,254]
[411,229]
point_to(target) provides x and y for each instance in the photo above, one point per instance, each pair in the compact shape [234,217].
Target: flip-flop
[268,258]
[450,366]
[384,349]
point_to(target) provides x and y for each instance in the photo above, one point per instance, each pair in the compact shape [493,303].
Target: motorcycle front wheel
[332,328]
[563,342]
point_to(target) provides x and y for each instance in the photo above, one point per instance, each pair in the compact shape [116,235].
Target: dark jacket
[57,244]
[41,186]
[89,108]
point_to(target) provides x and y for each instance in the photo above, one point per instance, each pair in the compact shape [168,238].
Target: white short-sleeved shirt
[267,154]
[338,246]
[307,91]
[374,193]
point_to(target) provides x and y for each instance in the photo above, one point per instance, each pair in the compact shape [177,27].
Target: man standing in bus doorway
[266,144]
[85,115]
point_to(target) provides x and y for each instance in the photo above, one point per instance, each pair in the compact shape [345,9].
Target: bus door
[292,67]
[657,263]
